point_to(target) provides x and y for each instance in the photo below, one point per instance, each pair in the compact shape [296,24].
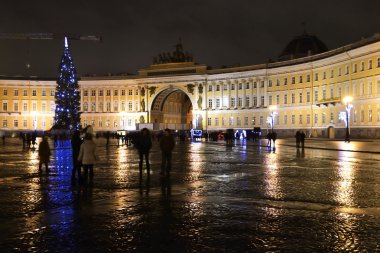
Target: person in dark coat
[298,138]
[143,145]
[75,147]
[44,154]
[274,138]
[302,139]
[167,144]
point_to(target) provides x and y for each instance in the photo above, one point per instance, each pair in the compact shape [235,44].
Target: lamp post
[347,101]
[273,112]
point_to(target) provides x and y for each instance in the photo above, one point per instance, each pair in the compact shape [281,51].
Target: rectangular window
[308,119]
[347,70]
[332,74]
[5,123]
[247,101]
[93,106]
[209,103]
[254,101]
[315,96]
[262,100]
[339,71]
[323,118]
[247,86]
[15,123]
[25,107]
[232,86]
[34,93]
[15,106]
[261,120]
[293,98]
[85,93]
[278,82]
[270,83]
[355,68]
[308,78]
[225,86]
[300,97]
[52,106]
[210,87]
[238,121]
[123,92]
[246,121]
[15,93]
[370,64]
[324,94]
[100,93]
[209,121]
[285,119]
[107,123]
[285,99]
[216,121]
[100,123]
[114,123]
[293,119]
[116,92]
[331,92]
[262,84]
[270,99]
[223,121]
[130,92]
[232,102]
[85,106]
[285,81]
[231,121]
[25,93]
[300,119]
[100,107]
[239,102]
[43,107]
[240,86]
[108,93]
[362,66]
[130,106]
[93,93]
[108,106]
[378,115]
[324,75]
[5,92]
[217,103]
[331,117]
[315,118]
[136,92]
[370,115]
[52,93]
[316,77]
[293,80]
[116,106]
[24,123]
[277,99]
[362,116]
[43,93]
[5,106]
[300,79]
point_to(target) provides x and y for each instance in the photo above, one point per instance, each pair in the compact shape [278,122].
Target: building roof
[302,46]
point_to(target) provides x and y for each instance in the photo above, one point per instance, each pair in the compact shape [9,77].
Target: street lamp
[273,112]
[347,101]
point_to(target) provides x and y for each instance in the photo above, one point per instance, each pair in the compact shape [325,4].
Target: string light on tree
[67,100]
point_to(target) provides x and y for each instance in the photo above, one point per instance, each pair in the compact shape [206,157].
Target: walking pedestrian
[298,138]
[75,148]
[269,138]
[44,154]
[302,139]
[274,138]
[88,156]
[167,144]
[143,145]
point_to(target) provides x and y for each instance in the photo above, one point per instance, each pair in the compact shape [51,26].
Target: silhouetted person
[143,145]
[87,156]
[274,138]
[107,138]
[167,144]
[44,154]
[302,139]
[298,138]
[269,138]
[75,147]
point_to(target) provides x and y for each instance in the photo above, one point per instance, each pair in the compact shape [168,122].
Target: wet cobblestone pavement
[217,199]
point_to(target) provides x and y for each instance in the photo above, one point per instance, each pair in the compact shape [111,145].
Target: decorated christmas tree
[67,97]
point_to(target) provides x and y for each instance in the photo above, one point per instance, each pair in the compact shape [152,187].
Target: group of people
[84,152]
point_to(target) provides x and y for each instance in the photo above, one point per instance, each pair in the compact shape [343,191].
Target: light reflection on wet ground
[218,198]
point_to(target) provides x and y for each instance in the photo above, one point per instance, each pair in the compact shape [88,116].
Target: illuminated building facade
[306,88]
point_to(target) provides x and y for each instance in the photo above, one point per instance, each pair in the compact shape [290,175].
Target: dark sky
[220,32]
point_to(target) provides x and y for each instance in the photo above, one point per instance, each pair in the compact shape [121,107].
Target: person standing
[167,144]
[302,139]
[44,154]
[143,145]
[88,156]
[75,148]
[274,138]
[298,138]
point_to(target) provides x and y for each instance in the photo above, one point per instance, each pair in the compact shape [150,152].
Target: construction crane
[48,36]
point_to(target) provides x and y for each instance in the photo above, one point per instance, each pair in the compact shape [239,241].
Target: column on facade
[119,99]
[205,91]
[104,100]
[228,94]
[251,93]
[236,93]
[196,96]
[213,94]
[258,99]
[96,99]
[134,99]
[111,95]
[139,99]
[265,92]
[81,99]
[243,93]
[221,94]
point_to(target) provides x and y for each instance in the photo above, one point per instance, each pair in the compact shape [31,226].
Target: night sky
[219,32]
